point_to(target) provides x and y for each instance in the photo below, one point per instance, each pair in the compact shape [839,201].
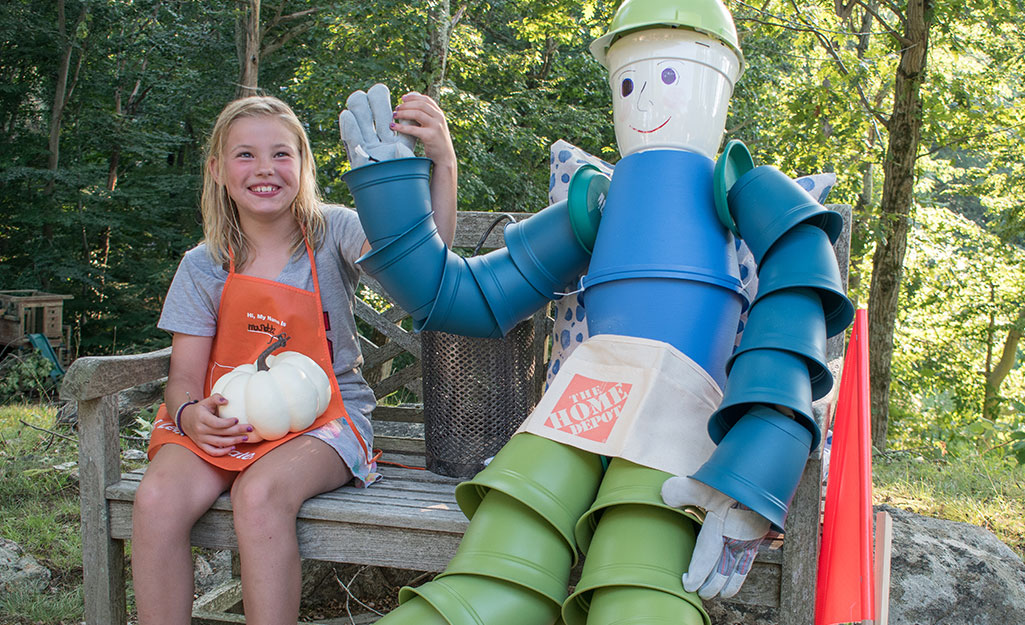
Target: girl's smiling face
[259,167]
[670,90]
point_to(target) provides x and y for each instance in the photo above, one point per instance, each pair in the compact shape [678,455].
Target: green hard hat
[706,16]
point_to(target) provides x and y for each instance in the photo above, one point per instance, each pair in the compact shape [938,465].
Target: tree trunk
[60,91]
[1008,356]
[437,46]
[249,51]
[899,173]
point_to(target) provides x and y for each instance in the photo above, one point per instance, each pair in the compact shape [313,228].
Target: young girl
[271,251]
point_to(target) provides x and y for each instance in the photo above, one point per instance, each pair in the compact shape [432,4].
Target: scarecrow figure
[659,450]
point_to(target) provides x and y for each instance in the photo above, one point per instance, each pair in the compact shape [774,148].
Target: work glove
[366,131]
[727,542]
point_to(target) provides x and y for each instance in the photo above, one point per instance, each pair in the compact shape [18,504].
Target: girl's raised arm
[433,132]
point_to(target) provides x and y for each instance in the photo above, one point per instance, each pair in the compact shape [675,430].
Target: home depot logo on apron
[589,408]
[251,311]
[634,398]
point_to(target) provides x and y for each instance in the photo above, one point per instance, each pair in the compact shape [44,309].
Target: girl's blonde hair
[221,226]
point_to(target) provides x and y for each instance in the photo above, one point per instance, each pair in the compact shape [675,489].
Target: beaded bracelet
[178,415]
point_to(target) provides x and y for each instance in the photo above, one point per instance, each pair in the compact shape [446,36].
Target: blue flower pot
[791,320]
[410,267]
[390,196]
[546,250]
[765,204]
[804,257]
[460,307]
[765,376]
[660,211]
[509,294]
[759,462]
[697,314]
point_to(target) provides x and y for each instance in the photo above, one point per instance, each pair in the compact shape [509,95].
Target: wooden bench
[409,520]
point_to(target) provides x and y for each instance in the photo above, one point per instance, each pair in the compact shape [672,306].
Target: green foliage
[25,376]
[42,607]
[143,421]
[40,507]
[963,288]
[514,85]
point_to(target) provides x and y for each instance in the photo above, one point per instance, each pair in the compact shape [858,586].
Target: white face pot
[670,90]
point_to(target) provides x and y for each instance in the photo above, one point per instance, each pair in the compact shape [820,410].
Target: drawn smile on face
[644,102]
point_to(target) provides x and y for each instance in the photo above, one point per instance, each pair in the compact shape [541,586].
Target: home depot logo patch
[589,408]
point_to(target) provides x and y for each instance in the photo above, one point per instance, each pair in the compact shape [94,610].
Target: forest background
[915,105]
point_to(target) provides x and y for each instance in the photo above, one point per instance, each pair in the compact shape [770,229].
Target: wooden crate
[29,311]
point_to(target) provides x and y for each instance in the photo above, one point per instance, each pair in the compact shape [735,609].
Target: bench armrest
[92,377]
[94,382]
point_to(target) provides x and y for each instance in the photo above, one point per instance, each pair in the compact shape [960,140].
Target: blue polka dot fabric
[570,314]
[570,318]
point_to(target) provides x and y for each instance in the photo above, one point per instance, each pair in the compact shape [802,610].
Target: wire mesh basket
[476,393]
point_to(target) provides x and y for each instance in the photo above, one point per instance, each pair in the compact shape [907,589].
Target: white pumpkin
[276,394]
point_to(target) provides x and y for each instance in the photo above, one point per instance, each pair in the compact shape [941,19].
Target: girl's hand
[211,433]
[430,128]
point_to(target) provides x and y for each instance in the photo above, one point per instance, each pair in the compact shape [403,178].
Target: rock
[948,572]
[211,569]
[378,587]
[20,571]
[136,455]
[130,401]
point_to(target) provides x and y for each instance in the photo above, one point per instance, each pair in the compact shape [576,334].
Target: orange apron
[251,311]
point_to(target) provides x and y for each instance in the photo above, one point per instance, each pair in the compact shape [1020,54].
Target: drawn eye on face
[668,76]
[626,87]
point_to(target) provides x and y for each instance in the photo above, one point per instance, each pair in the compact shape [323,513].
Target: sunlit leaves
[963,287]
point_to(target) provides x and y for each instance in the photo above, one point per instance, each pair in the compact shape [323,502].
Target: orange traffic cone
[845,591]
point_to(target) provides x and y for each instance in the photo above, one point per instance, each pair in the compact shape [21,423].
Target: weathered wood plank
[374,355]
[762,585]
[219,599]
[99,465]
[472,224]
[388,328]
[400,445]
[407,413]
[419,546]
[399,379]
[92,377]
[207,617]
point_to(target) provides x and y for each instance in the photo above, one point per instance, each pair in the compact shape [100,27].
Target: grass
[39,507]
[980,489]
[40,512]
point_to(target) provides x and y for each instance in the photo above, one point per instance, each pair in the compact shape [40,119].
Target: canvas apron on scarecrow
[634,398]
[252,310]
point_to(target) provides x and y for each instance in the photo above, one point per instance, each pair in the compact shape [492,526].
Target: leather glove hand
[366,128]
[727,542]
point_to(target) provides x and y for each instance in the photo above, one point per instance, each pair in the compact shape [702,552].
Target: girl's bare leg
[177,489]
[266,498]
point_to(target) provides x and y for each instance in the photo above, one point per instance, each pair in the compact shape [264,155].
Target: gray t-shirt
[194,297]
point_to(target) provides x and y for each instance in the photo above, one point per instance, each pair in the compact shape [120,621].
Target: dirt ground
[335,590]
